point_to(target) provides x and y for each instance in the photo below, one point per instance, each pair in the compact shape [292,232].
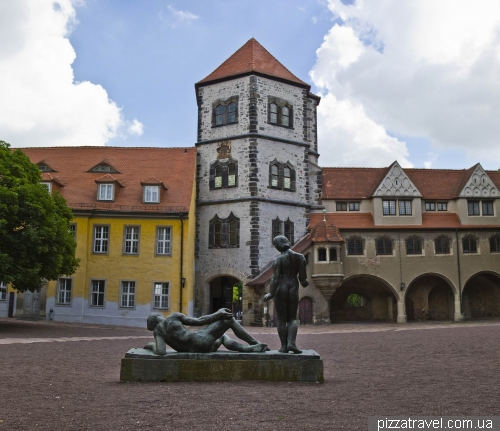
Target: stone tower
[257,173]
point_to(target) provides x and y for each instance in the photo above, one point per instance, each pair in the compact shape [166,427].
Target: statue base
[141,365]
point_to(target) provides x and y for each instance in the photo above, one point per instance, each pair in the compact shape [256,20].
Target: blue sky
[414,81]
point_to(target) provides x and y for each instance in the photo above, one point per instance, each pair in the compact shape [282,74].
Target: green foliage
[354,300]
[35,240]
[237,291]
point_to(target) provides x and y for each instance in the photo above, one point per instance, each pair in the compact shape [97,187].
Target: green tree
[35,238]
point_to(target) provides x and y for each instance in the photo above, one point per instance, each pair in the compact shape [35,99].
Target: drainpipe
[181,278]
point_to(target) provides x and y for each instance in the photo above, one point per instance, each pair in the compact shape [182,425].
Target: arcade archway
[481,296]
[221,293]
[429,297]
[363,298]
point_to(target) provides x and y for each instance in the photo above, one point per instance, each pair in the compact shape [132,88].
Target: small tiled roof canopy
[172,168]
[253,58]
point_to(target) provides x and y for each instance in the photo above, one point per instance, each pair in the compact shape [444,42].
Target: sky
[416,81]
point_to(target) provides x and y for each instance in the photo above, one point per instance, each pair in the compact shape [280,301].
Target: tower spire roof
[252,57]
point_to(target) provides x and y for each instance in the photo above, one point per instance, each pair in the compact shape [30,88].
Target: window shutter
[212,177]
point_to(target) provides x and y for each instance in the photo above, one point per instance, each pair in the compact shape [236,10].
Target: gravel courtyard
[57,376]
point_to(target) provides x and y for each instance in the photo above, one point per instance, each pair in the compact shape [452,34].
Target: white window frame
[47,184]
[64,291]
[131,237]
[3,291]
[100,243]
[106,192]
[96,294]
[161,300]
[151,194]
[127,293]
[163,245]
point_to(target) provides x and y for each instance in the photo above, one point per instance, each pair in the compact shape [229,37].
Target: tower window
[281,176]
[285,228]
[322,254]
[223,174]
[225,112]
[279,112]
[224,233]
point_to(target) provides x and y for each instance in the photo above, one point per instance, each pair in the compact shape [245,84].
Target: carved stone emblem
[224,150]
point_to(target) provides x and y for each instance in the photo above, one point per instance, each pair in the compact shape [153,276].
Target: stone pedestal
[140,365]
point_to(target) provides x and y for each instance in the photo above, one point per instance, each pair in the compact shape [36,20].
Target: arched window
[355,246]
[276,228]
[219,115]
[273,117]
[442,244]
[225,111]
[285,116]
[274,175]
[285,228]
[383,246]
[223,174]
[469,244]
[333,254]
[288,230]
[224,233]
[414,245]
[495,244]
[321,254]
[282,176]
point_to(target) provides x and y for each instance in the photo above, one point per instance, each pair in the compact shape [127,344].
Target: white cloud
[178,17]
[136,127]
[420,68]
[42,105]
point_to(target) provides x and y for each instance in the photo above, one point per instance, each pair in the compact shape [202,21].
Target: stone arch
[213,275]
[379,299]
[430,296]
[481,295]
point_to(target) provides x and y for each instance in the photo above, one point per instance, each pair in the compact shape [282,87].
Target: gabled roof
[361,183]
[324,231]
[396,183]
[252,58]
[174,167]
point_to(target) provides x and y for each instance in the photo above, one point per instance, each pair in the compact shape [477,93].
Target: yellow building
[134,225]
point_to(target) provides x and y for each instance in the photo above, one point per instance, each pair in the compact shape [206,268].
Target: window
[163,240]
[414,245]
[131,240]
[45,168]
[355,246]
[103,168]
[97,293]
[151,194]
[105,192]
[495,244]
[430,206]
[285,228]
[3,291]
[128,294]
[322,254]
[487,208]
[281,176]
[473,208]
[223,174]
[160,295]
[404,207]
[280,112]
[101,239]
[64,286]
[47,185]
[442,244]
[224,233]
[72,230]
[333,254]
[383,246]
[469,244]
[225,112]
[353,206]
[341,206]
[389,207]
[442,206]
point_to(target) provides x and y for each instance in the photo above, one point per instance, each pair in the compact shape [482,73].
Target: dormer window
[152,194]
[44,168]
[106,192]
[103,168]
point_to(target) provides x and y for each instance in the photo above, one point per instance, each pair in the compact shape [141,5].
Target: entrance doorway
[221,293]
[305,311]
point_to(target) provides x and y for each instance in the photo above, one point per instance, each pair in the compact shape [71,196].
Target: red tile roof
[252,57]
[324,231]
[355,220]
[174,167]
[361,183]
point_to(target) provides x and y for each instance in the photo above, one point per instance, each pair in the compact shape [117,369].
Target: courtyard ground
[61,376]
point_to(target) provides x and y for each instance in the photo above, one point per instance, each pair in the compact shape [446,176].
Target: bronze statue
[171,331]
[285,291]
